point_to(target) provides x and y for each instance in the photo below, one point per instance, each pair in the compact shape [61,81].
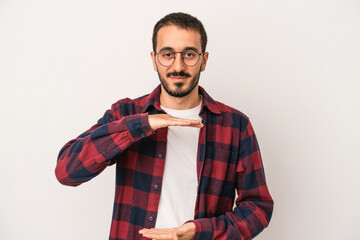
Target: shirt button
[156,187]
[151,218]
[160,155]
[142,134]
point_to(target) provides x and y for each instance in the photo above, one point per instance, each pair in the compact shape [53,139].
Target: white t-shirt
[179,186]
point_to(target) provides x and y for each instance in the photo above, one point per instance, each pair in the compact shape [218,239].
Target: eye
[189,54]
[167,54]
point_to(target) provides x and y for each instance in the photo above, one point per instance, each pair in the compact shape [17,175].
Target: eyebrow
[186,48]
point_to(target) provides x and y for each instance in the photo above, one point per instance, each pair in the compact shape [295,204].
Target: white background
[292,66]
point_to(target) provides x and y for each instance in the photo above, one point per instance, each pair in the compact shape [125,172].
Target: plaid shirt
[228,159]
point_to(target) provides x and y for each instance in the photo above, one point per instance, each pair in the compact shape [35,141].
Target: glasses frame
[182,58]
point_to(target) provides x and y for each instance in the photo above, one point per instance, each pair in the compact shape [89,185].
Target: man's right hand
[164,120]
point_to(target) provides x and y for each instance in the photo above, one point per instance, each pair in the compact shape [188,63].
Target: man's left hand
[185,232]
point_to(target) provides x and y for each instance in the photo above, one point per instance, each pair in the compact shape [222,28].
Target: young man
[180,156]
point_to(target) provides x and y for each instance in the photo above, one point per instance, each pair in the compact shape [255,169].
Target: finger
[185,123]
[174,235]
[183,119]
[159,236]
[197,125]
[155,231]
[143,230]
[193,125]
[161,233]
[148,229]
[190,121]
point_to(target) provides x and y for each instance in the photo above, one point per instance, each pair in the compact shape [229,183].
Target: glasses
[189,57]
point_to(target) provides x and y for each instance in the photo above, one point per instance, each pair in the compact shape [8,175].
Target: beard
[180,90]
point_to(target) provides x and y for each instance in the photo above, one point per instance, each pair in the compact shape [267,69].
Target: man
[180,156]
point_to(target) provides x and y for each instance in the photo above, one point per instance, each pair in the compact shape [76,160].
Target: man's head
[178,32]
[183,21]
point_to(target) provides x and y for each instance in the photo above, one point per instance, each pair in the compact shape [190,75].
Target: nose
[178,64]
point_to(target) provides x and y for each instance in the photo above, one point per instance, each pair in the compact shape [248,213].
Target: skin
[185,232]
[178,39]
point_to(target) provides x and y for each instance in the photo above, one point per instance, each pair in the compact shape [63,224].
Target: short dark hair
[181,20]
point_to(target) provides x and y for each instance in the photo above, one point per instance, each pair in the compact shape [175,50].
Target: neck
[192,100]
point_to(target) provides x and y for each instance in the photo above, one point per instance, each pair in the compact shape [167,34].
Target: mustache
[178,74]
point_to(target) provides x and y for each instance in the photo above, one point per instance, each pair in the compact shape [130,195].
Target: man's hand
[164,120]
[185,232]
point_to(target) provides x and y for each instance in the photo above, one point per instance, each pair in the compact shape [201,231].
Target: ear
[153,57]
[203,64]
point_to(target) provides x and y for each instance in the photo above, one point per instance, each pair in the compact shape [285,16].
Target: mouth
[178,78]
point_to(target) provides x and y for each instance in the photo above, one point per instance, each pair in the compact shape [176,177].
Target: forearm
[86,156]
[244,223]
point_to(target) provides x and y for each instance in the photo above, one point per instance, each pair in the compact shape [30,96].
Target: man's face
[178,80]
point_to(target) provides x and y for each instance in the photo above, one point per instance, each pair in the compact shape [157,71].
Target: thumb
[174,235]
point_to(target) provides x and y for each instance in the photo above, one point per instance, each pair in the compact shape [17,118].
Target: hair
[183,21]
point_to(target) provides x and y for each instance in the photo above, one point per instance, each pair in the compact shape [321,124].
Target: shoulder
[233,116]
[124,107]
[128,106]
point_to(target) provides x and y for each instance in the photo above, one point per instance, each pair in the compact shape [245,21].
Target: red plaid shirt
[228,160]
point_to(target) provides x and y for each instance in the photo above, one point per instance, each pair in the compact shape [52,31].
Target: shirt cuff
[203,228]
[138,125]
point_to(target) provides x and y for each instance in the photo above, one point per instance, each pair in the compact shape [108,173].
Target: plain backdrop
[292,66]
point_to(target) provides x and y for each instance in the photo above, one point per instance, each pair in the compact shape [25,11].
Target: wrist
[191,229]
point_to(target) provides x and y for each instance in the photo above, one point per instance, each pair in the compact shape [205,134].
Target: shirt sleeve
[254,204]
[84,157]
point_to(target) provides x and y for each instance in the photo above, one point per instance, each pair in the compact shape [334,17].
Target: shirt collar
[153,99]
